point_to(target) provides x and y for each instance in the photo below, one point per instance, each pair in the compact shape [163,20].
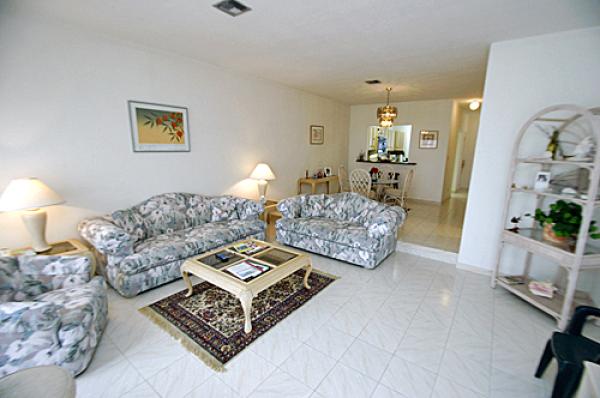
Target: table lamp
[30,194]
[262,173]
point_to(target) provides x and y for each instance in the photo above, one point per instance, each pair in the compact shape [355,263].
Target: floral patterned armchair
[143,247]
[51,313]
[346,226]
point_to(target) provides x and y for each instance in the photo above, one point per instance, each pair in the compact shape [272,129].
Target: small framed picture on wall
[317,135]
[428,139]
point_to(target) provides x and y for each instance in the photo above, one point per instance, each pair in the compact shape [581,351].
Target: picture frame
[328,171]
[428,139]
[542,181]
[317,134]
[158,127]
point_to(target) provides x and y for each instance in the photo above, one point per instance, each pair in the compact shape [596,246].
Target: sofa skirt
[354,255]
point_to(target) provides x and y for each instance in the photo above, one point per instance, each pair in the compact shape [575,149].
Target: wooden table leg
[307,271]
[313,187]
[188,283]
[246,300]
[328,187]
[299,187]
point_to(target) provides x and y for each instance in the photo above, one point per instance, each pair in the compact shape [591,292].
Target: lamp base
[262,189]
[35,222]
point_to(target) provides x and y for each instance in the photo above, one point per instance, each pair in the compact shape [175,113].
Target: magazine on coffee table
[248,248]
[247,269]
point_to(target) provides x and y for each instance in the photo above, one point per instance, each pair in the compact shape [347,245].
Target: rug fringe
[327,274]
[184,340]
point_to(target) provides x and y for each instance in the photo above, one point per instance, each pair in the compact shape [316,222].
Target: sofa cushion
[78,307]
[198,210]
[182,244]
[223,208]
[335,207]
[342,232]
[164,213]
[313,206]
[132,222]
[248,209]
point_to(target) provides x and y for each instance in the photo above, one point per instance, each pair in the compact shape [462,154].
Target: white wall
[63,100]
[423,115]
[523,76]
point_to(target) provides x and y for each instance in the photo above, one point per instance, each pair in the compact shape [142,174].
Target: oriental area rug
[210,323]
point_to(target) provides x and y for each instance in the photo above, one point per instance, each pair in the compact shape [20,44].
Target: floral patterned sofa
[346,226]
[143,247]
[51,313]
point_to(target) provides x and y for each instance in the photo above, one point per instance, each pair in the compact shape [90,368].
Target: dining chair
[571,349]
[360,182]
[399,195]
[343,181]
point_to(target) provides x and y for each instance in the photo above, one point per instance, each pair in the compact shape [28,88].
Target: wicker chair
[360,182]
[399,196]
[343,181]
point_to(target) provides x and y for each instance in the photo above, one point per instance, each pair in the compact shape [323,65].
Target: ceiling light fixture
[474,105]
[374,81]
[387,114]
[232,7]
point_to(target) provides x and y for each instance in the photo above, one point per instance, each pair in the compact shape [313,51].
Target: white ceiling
[425,49]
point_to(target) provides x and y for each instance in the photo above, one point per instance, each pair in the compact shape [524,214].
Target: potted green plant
[562,222]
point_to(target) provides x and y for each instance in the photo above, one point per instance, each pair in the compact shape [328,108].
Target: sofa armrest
[290,207]
[249,209]
[41,274]
[106,237]
[385,222]
[22,318]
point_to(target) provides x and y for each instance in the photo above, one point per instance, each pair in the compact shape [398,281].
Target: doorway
[439,225]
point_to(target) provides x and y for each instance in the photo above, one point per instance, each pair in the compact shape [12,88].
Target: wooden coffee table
[281,261]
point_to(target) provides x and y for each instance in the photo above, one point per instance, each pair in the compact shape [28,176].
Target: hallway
[433,225]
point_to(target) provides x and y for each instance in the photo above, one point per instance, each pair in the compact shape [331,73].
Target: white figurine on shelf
[583,149]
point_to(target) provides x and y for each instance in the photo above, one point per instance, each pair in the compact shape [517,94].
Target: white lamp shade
[28,193]
[262,171]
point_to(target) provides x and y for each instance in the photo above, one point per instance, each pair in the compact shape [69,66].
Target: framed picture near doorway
[317,135]
[428,139]
[158,128]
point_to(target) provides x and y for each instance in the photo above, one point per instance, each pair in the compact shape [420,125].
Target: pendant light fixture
[387,114]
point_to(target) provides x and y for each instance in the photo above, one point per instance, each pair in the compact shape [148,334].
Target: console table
[314,182]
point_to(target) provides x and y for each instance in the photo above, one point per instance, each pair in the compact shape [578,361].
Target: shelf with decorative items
[570,198]
[555,193]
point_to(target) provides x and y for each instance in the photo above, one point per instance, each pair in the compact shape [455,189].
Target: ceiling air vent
[232,7]
[374,81]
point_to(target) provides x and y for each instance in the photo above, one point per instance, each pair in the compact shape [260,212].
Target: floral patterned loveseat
[346,226]
[143,247]
[51,313]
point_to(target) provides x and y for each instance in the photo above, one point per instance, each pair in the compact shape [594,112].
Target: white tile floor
[410,328]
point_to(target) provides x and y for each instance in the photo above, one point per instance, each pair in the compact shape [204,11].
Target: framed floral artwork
[158,128]
[428,139]
[317,135]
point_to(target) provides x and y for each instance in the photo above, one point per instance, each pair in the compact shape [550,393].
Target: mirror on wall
[389,144]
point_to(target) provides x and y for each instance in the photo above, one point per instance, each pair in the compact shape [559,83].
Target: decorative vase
[550,235]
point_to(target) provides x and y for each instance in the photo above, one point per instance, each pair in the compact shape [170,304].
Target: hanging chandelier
[387,114]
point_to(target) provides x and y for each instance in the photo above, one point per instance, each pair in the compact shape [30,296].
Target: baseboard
[427,252]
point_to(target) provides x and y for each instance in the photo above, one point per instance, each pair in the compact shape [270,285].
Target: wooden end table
[281,261]
[313,182]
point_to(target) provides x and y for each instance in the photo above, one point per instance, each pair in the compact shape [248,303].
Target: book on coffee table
[248,248]
[247,269]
